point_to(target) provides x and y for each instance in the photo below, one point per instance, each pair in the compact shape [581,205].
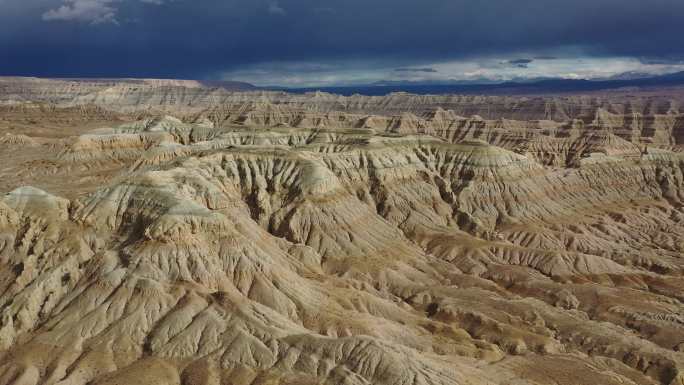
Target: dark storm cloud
[423,70]
[203,38]
[519,63]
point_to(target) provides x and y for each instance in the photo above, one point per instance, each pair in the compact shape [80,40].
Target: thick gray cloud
[207,38]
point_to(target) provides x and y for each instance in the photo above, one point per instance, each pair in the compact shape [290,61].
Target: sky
[309,43]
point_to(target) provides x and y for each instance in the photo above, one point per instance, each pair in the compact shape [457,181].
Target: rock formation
[330,240]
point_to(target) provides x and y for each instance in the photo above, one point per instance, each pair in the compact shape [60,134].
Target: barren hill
[265,238]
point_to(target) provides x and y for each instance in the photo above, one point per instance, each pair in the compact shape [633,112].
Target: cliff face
[264,242]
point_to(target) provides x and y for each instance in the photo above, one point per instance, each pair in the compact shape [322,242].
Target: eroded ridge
[426,250]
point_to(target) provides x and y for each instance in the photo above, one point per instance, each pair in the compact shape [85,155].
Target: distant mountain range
[225,84]
[540,86]
[521,86]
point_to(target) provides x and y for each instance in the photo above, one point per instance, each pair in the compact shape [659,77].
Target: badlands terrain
[172,232]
